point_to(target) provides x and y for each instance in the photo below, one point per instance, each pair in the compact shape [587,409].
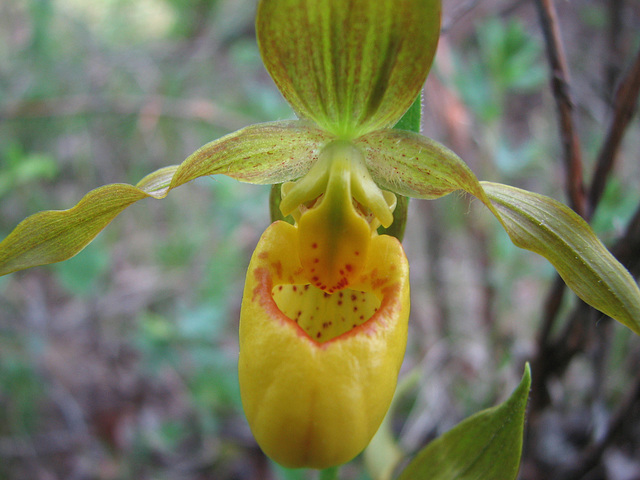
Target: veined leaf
[553,230]
[485,446]
[413,165]
[352,66]
[266,153]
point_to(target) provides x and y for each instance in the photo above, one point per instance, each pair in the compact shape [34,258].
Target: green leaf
[553,230]
[413,165]
[81,274]
[266,153]
[352,66]
[485,446]
[412,118]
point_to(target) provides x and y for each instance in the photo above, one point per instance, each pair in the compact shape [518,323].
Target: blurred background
[121,363]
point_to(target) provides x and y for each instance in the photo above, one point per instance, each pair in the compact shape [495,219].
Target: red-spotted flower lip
[383,292]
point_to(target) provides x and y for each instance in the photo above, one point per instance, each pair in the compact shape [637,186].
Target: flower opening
[324,316]
[316,401]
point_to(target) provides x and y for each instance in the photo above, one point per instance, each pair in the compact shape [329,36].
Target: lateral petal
[265,153]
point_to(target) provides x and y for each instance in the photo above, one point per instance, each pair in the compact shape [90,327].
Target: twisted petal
[548,227]
[352,66]
[265,153]
[318,370]
[412,165]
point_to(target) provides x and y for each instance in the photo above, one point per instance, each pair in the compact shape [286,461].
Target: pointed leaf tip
[487,445]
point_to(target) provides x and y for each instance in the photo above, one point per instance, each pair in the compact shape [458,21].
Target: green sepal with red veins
[412,165]
[265,153]
[351,66]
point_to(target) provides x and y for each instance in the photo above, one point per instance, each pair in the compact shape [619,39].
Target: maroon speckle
[348,267]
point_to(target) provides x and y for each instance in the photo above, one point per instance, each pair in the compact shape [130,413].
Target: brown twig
[614,50]
[627,248]
[152,106]
[541,365]
[553,357]
[624,106]
[592,455]
[461,10]
[561,92]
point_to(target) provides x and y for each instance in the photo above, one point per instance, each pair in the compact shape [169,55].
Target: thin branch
[627,248]
[614,48]
[542,365]
[153,106]
[624,107]
[592,455]
[461,10]
[564,104]
[553,357]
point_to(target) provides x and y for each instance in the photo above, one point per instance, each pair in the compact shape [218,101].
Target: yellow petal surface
[315,388]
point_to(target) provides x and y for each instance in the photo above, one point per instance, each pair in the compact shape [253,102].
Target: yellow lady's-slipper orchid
[323,325]
[326,301]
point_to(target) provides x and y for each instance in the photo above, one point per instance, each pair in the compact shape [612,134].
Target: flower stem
[329,473]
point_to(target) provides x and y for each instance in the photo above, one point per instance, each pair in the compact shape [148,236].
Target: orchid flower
[324,316]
